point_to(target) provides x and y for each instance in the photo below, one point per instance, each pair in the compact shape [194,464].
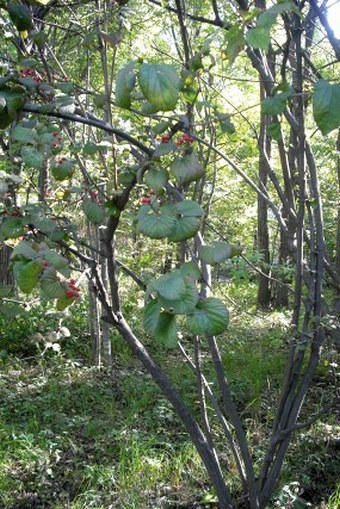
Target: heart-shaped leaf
[63,302]
[209,317]
[50,285]
[326,106]
[217,252]
[187,169]
[160,325]
[27,275]
[63,170]
[160,85]
[156,179]
[184,305]
[189,215]
[25,249]
[163,149]
[32,157]
[12,228]
[24,134]
[125,83]
[156,224]
[93,211]
[170,286]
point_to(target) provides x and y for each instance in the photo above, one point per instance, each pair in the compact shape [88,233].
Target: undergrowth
[74,437]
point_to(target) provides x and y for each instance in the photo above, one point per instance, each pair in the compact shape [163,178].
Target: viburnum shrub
[51,240]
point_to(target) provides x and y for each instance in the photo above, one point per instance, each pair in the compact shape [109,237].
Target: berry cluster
[93,195]
[31,73]
[145,200]
[15,213]
[73,292]
[185,138]
[165,138]
[58,139]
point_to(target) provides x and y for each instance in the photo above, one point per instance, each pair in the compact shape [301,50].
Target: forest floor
[75,437]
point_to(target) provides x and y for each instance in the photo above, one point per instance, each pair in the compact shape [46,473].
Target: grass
[73,437]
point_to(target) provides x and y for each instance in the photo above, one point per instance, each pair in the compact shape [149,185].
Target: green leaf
[326,106]
[50,286]
[151,316]
[275,130]
[210,317]
[32,157]
[195,62]
[63,170]
[14,102]
[161,127]
[276,104]
[27,275]
[170,286]
[191,270]
[216,252]
[12,228]
[156,224]
[235,42]
[160,85]
[39,38]
[163,149]
[125,84]
[225,123]
[5,290]
[149,108]
[24,134]
[156,179]
[56,260]
[24,248]
[160,325]
[187,169]
[189,214]
[20,16]
[93,211]
[90,149]
[11,310]
[184,305]
[258,38]
[63,302]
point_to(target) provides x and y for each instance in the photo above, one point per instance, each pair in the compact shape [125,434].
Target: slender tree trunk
[337,249]
[6,276]
[264,290]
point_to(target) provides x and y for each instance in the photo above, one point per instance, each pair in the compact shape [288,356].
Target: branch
[100,124]
[201,19]
[335,43]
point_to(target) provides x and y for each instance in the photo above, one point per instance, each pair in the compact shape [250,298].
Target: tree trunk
[264,291]
[337,249]
[6,276]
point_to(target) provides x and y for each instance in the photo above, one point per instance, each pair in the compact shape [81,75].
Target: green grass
[73,437]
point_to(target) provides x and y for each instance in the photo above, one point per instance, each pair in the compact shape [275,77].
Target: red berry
[72,281]
[69,294]
[54,145]
[44,263]
[145,200]
[165,138]
[15,213]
